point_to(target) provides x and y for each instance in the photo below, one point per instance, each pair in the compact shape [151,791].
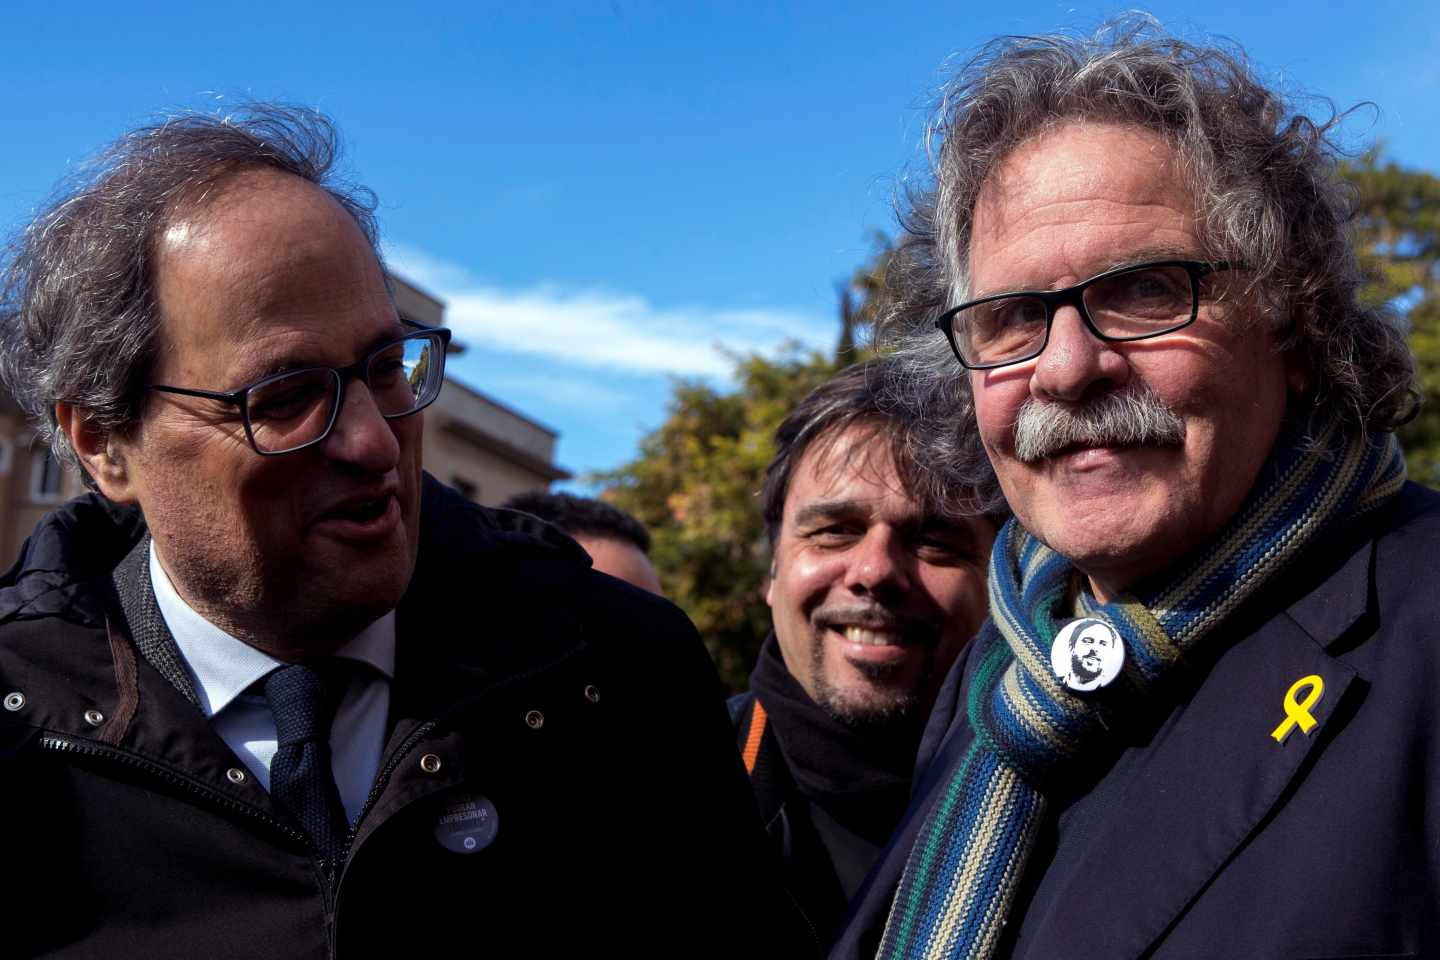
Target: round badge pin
[467,825]
[1087,654]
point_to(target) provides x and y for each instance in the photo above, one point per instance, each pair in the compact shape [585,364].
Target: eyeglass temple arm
[207,394]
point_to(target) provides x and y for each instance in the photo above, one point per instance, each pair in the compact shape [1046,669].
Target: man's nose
[1076,362]
[361,436]
[878,565]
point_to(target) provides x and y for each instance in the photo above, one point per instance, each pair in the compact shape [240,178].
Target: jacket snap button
[592,693]
[235,775]
[430,763]
[14,701]
[94,717]
[534,719]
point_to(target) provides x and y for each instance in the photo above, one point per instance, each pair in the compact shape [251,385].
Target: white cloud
[601,329]
[582,397]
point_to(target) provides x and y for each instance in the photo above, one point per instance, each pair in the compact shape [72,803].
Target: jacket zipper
[84,748]
[382,779]
[809,924]
[328,871]
[392,763]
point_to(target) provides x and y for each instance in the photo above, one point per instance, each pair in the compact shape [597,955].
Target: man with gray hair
[1137,259]
[272,691]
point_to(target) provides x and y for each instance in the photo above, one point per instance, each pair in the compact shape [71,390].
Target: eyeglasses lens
[297,408]
[292,410]
[403,376]
[1001,329]
[1141,303]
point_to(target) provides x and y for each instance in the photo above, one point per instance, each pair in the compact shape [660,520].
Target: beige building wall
[32,483]
[476,444]
[485,450]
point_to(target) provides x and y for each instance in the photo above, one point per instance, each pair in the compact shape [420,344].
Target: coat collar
[492,600]
[487,602]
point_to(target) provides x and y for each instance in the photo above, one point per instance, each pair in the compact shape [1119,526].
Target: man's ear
[770,583]
[99,456]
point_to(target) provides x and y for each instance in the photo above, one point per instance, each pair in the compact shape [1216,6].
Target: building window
[468,490]
[47,477]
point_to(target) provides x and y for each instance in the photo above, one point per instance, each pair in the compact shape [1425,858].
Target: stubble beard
[881,707]
[1079,668]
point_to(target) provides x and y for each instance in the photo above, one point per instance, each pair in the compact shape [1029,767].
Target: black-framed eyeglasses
[1130,303]
[296,409]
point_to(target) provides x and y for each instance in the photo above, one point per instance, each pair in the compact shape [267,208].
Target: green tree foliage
[697,480]
[1397,232]
[696,486]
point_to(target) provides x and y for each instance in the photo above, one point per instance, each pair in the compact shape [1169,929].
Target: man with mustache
[277,693]
[877,582]
[1137,260]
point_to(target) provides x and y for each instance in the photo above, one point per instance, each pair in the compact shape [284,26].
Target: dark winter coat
[582,716]
[829,794]
[1205,837]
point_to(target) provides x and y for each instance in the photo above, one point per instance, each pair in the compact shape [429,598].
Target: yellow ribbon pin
[1297,712]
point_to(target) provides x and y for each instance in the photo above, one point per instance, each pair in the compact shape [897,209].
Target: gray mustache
[1111,419]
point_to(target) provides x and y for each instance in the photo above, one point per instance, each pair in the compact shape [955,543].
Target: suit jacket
[1204,836]
[559,778]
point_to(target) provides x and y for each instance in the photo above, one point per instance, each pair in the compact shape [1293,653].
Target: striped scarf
[969,855]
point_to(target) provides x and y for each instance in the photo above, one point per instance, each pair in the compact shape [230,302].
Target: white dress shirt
[224,670]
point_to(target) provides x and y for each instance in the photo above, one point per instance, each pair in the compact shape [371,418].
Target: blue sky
[607,192]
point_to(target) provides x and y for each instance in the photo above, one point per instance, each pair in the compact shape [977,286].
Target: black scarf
[860,777]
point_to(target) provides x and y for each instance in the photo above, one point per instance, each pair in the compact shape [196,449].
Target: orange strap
[752,738]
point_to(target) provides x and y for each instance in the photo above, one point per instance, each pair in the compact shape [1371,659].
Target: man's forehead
[855,456]
[1107,175]
[851,473]
[1077,154]
[274,262]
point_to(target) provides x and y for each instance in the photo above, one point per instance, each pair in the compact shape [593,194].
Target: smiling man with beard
[877,582]
[1135,259]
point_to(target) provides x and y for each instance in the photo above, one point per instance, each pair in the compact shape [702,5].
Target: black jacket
[1205,837]
[829,794]
[581,714]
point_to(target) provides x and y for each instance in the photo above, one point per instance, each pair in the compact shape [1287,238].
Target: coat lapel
[147,627]
[1207,781]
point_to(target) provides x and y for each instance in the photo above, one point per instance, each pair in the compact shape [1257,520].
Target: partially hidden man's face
[871,599]
[293,553]
[1069,204]
[622,559]
[1088,652]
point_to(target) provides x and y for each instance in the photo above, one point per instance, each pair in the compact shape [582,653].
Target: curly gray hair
[1264,177]
[79,322]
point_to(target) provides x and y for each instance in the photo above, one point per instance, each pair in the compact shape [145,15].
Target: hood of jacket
[71,550]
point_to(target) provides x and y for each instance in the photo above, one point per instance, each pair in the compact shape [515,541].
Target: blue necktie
[303,699]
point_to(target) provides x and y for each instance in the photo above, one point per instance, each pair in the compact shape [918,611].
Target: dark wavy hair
[582,516]
[920,444]
[79,321]
[1266,187]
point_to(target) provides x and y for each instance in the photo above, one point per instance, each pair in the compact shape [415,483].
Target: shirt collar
[223,666]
